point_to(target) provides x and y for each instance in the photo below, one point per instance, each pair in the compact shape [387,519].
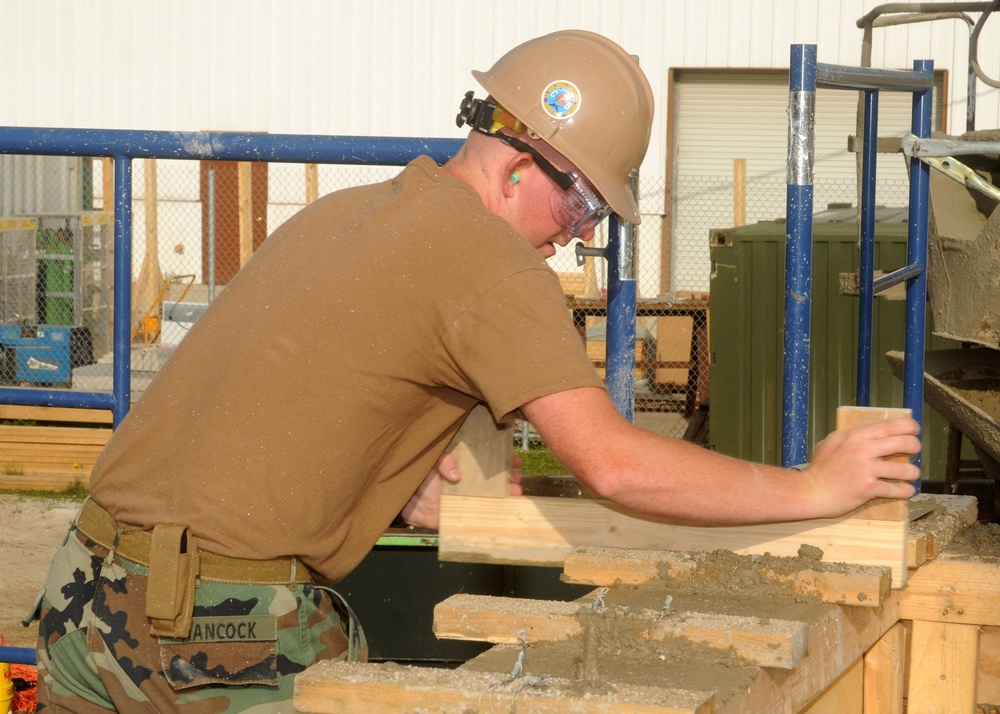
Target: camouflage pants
[247,642]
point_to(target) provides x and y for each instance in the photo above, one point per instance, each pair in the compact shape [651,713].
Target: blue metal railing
[123,147]
[804,77]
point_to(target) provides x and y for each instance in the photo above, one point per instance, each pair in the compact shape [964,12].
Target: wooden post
[245,180]
[739,192]
[943,667]
[483,451]
[312,183]
[150,279]
[108,183]
[883,685]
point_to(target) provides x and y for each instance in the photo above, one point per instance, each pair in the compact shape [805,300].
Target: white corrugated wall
[396,67]
[400,67]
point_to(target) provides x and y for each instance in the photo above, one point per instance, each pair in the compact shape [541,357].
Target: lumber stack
[702,631]
[39,451]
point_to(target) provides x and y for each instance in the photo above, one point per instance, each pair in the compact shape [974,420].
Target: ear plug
[515,176]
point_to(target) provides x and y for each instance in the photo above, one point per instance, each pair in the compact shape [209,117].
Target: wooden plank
[836,642]
[859,586]
[883,673]
[849,417]
[244,177]
[542,531]
[739,192]
[67,414]
[312,183]
[988,687]
[53,435]
[499,620]
[775,643]
[943,664]
[483,451]
[930,535]
[335,687]
[959,590]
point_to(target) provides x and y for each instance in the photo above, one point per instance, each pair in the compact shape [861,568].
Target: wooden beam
[334,687]
[883,673]
[836,642]
[931,534]
[48,413]
[484,618]
[959,590]
[108,184]
[943,666]
[244,175]
[312,183]
[484,452]
[739,192]
[542,531]
[775,643]
[859,586]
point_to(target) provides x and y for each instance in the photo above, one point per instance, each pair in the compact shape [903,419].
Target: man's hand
[851,466]
[423,510]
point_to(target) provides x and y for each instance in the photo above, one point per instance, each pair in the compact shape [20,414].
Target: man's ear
[513,172]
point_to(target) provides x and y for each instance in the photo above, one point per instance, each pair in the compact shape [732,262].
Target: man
[314,401]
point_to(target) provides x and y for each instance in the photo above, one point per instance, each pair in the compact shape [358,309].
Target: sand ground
[30,531]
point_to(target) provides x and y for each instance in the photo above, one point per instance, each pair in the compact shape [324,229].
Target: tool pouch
[173,568]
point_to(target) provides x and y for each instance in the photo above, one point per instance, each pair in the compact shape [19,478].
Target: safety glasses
[576,205]
[580,208]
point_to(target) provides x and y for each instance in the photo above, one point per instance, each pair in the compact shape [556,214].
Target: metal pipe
[798,254]
[620,335]
[121,375]
[835,76]
[866,248]
[916,255]
[884,282]
[292,148]
[18,655]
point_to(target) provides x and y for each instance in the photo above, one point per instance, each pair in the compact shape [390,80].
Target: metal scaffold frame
[805,76]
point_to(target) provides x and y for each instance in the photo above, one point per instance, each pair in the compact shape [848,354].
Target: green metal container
[747,333]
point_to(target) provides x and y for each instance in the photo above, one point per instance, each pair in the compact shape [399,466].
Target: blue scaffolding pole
[805,76]
[123,147]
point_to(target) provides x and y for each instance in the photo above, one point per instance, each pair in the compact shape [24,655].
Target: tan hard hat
[587,98]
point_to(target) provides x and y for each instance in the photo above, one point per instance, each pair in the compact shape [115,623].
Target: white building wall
[397,67]
[400,67]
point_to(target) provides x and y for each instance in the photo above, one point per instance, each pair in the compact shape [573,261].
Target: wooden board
[859,586]
[930,535]
[883,673]
[483,451]
[775,643]
[336,687]
[527,530]
[942,668]
[849,417]
[960,590]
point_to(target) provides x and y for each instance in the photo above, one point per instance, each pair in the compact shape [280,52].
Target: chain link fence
[195,223]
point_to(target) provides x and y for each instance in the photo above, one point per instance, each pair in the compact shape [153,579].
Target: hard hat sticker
[561,99]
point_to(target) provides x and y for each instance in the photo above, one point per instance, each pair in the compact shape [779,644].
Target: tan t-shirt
[307,404]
